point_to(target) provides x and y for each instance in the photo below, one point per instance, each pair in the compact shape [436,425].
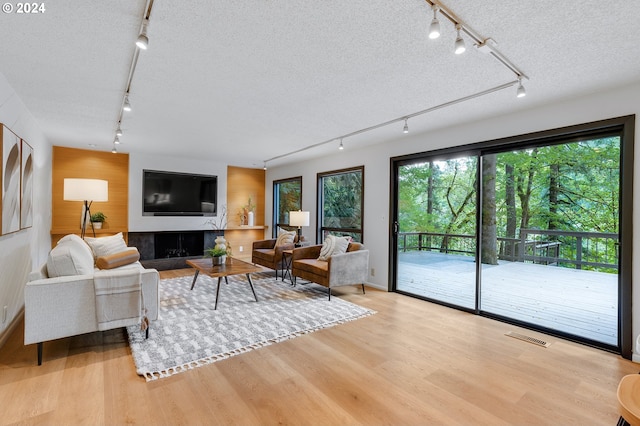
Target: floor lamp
[299,219]
[87,191]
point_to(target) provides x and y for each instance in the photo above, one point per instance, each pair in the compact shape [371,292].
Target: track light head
[126,106]
[341,147]
[406,126]
[118,131]
[116,141]
[143,41]
[265,166]
[520,92]
[434,28]
[459,46]
[114,150]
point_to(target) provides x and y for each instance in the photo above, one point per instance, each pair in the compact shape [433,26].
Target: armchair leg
[147,333]
[40,344]
[363,289]
[329,294]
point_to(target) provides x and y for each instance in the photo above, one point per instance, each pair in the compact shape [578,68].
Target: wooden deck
[583,303]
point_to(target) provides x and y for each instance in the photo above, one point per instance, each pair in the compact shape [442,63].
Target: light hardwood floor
[412,363]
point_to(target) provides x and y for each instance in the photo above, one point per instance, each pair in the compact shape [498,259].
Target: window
[340,203]
[287,196]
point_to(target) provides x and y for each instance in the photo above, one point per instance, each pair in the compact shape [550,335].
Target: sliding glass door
[551,249]
[436,244]
[533,230]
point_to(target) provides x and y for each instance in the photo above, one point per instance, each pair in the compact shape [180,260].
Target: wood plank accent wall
[87,164]
[243,183]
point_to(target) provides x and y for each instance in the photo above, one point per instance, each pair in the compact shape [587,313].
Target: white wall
[22,251]
[376,159]
[139,162]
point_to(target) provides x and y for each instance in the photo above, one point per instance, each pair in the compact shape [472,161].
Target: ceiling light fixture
[126,106]
[520,92]
[341,147]
[114,150]
[397,120]
[483,44]
[143,41]
[265,166]
[459,46]
[434,28]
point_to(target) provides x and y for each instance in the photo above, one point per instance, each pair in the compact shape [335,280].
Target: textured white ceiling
[241,81]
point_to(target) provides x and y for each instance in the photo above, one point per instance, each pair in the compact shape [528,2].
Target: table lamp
[87,191]
[299,219]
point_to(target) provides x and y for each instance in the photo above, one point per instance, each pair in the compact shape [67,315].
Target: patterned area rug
[190,334]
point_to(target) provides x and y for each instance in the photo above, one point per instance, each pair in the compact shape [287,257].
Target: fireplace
[178,244]
[170,249]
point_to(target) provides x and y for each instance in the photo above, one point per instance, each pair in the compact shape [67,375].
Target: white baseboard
[6,333]
[367,284]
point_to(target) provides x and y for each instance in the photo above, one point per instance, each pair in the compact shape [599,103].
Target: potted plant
[218,255]
[96,219]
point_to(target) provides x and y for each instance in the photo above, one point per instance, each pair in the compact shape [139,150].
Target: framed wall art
[10,181]
[26,186]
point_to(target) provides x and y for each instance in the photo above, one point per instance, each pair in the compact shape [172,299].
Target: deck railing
[580,250]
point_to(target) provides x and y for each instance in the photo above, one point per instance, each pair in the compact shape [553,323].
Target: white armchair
[65,305]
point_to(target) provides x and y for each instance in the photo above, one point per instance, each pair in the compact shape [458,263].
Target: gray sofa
[63,306]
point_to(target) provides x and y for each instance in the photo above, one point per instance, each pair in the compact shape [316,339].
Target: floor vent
[528,339]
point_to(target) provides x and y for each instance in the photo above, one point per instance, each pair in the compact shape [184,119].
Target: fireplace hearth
[170,249]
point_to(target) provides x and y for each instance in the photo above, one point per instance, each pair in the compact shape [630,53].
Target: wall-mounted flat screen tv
[178,194]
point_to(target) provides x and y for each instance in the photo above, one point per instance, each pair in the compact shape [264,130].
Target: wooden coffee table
[231,267]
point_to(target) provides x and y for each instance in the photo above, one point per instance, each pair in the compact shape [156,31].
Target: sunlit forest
[562,196]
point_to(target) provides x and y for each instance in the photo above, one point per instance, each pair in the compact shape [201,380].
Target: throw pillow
[285,237]
[104,246]
[70,256]
[77,242]
[333,245]
[116,260]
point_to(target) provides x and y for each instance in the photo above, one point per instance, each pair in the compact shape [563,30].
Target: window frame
[320,229]
[625,126]
[276,203]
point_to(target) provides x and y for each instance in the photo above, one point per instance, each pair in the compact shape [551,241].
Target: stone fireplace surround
[164,250]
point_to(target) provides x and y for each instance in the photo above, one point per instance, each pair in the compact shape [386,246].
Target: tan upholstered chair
[350,268]
[265,253]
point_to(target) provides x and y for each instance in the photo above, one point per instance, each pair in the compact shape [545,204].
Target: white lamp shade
[298,218]
[86,190]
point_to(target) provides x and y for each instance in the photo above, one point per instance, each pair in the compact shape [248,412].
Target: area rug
[190,333]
